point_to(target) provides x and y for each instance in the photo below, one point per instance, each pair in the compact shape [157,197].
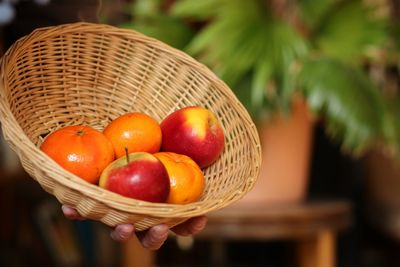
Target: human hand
[152,238]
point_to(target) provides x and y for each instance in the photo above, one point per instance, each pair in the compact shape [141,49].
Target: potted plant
[292,64]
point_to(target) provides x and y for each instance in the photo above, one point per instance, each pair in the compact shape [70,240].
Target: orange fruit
[81,150]
[186,178]
[134,131]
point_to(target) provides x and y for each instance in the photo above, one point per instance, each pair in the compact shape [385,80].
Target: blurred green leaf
[349,30]
[145,8]
[197,9]
[313,11]
[392,125]
[261,78]
[348,102]
[233,47]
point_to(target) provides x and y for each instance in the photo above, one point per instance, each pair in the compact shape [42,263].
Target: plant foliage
[267,54]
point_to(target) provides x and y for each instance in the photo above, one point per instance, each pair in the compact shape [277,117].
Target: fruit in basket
[186,178]
[139,175]
[193,131]
[136,131]
[81,150]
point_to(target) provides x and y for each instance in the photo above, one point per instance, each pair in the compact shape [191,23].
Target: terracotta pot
[286,146]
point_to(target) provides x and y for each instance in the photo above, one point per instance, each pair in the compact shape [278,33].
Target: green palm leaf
[313,11]
[349,31]
[235,45]
[348,102]
[266,58]
[196,9]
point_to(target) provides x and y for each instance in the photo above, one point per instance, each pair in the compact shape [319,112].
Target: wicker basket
[83,73]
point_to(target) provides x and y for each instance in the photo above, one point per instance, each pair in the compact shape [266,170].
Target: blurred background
[321,81]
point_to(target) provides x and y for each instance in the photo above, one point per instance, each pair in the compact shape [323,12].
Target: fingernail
[65,209]
[155,237]
[160,229]
[120,236]
[68,212]
[122,232]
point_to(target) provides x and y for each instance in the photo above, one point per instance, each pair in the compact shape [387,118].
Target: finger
[71,213]
[155,237]
[122,232]
[191,227]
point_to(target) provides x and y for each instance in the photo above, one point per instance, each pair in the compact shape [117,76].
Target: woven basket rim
[73,182]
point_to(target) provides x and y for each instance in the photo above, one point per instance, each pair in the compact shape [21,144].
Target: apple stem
[127,155]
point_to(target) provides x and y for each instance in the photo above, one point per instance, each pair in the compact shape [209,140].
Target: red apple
[195,132]
[142,177]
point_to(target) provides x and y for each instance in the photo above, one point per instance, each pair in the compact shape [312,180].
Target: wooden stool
[313,227]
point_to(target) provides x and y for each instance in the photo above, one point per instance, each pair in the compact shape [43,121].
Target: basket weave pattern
[83,73]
